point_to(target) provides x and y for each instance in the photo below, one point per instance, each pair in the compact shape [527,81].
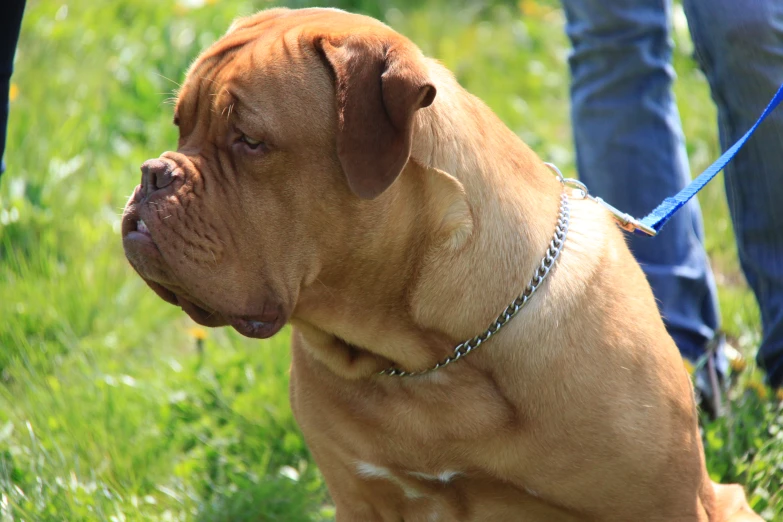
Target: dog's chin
[258,326]
[254,328]
[199,314]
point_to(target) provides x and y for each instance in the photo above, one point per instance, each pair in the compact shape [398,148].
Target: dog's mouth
[141,227]
[135,232]
[147,259]
[258,326]
[135,229]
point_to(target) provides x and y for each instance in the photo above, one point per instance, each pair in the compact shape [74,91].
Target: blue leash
[655,220]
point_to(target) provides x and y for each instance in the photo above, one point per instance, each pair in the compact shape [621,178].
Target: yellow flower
[199,333]
[53,383]
[688,365]
[758,388]
[533,8]
[738,365]
[180,9]
[779,394]
[13,92]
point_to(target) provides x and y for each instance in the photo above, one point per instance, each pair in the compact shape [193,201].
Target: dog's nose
[155,175]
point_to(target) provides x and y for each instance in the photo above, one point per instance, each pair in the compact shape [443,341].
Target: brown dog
[329,175]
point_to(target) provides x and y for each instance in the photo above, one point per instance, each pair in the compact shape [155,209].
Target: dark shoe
[714,373]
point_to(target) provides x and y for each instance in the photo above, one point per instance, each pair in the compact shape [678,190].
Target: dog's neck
[514,201]
[458,237]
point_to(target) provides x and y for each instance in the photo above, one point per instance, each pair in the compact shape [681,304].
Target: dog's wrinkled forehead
[322,19]
[295,79]
[260,66]
[218,76]
[275,35]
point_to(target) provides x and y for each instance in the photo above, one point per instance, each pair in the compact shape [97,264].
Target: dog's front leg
[357,513]
[359,499]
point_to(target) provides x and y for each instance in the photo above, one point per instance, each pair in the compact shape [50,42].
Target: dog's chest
[430,449]
[449,495]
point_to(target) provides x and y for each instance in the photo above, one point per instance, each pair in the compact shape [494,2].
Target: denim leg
[740,49]
[631,152]
[10,22]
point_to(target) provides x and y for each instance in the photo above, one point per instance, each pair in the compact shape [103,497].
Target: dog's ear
[380,83]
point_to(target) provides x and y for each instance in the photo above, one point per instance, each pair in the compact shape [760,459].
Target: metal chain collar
[552,253]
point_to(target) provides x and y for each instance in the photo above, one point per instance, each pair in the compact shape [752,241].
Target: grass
[113,406]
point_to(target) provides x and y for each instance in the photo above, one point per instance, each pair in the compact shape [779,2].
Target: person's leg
[631,152]
[10,23]
[740,49]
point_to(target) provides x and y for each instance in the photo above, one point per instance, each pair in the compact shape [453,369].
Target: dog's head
[292,126]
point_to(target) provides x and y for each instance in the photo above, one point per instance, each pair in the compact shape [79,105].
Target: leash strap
[658,217]
[655,220]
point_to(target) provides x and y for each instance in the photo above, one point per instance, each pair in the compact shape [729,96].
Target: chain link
[552,253]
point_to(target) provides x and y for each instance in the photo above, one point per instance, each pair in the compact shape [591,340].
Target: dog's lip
[137,235]
[261,326]
[257,327]
[198,313]
[138,243]
[163,292]
[134,229]
[131,217]
[140,248]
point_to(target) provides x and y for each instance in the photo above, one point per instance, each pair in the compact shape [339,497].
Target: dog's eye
[250,142]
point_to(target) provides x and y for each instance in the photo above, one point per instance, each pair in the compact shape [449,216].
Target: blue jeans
[631,150]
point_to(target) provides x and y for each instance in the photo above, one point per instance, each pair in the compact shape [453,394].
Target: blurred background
[113,405]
